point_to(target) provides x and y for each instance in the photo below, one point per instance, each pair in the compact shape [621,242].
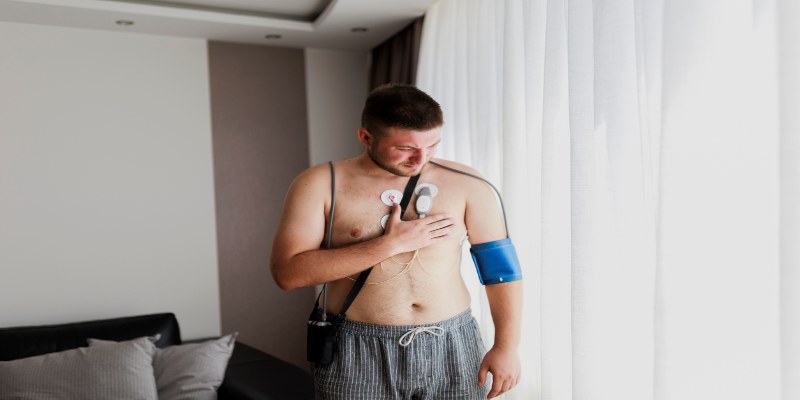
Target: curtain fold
[789,67]
[636,146]
[395,60]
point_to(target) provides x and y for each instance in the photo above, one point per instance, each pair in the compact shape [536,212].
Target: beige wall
[260,144]
[336,89]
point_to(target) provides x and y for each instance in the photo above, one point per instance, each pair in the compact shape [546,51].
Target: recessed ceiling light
[124,22]
[359,29]
[273,36]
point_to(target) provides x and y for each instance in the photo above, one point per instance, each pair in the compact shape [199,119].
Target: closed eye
[407,148]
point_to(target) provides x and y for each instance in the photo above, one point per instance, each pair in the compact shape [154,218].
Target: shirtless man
[409,334]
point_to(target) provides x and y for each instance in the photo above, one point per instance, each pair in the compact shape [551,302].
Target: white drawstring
[409,336]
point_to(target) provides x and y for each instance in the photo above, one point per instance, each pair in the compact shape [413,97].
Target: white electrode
[424,202]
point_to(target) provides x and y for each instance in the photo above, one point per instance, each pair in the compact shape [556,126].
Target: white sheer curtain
[643,161]
[789,50]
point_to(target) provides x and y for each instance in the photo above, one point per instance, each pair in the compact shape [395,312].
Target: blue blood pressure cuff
[496,262]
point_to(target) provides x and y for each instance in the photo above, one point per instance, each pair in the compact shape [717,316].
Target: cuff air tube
[496,262]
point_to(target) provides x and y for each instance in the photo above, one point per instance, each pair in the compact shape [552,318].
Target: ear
[364,137]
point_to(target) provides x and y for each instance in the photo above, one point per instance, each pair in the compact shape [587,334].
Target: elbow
[284,281]
[287,284]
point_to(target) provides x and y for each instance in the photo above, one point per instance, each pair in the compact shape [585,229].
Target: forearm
[320,266]
[505,302]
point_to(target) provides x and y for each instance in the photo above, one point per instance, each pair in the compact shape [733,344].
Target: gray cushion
[190,371]
[121,371]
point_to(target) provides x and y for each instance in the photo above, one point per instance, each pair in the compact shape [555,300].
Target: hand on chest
[362,212]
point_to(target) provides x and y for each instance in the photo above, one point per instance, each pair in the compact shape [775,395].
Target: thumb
[395,213]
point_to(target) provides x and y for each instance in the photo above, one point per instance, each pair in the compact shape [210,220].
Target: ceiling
[326,24]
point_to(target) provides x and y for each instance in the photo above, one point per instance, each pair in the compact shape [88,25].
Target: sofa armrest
[255,375]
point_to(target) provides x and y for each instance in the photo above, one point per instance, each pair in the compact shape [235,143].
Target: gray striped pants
[370,363]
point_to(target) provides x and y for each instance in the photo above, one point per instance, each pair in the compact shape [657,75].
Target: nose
[419,155]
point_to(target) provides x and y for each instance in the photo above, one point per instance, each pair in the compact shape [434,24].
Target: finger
[506,386]
[440,233]
[442,223]
[395,216]
[482,375]
[436,218]
[444,230]
[497,387]
[440,236]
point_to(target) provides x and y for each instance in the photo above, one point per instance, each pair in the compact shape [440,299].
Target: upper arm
[484,216]
[302,224]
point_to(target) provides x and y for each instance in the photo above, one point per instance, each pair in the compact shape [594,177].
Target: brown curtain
[395,60]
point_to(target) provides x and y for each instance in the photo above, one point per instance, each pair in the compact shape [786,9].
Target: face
[400,151]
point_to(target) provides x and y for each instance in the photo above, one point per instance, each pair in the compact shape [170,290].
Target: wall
[273,109]
[260,145]
[336,90]
[106,185]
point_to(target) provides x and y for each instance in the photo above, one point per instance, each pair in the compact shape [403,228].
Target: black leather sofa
[251,373]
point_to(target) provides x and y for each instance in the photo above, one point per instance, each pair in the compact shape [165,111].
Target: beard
[392,169]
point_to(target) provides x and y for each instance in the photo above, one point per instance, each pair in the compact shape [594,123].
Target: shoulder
[462,175]
[456,166]
[483,217]
[312,184]
[477,190]
[316,175]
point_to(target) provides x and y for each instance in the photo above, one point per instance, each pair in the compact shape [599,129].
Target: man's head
[400,106]
[400,128]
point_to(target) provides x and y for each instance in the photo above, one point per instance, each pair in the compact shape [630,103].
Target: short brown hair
[400,106]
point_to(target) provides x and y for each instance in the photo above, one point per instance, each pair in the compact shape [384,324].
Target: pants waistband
[395,331]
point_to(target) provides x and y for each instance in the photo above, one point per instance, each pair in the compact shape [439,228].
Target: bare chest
[360,211]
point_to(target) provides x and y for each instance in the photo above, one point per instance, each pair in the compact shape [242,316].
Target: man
[409,333]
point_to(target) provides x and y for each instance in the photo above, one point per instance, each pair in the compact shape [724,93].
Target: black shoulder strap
[412,183]
[362,277]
